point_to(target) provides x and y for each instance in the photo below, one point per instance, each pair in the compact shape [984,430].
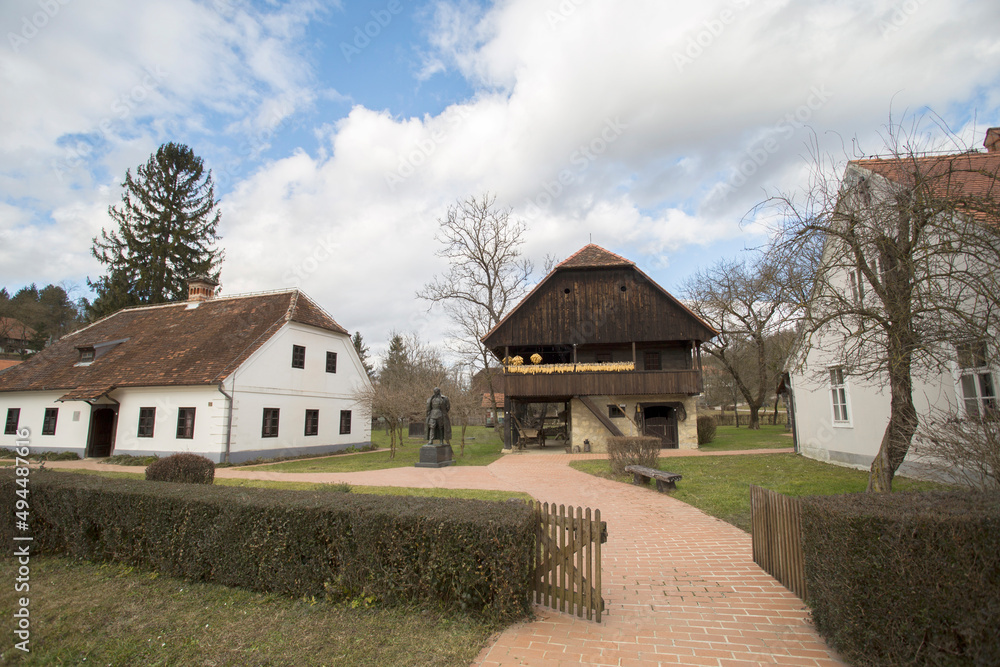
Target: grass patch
[729,438]
[482,451]
[474,494]
[720,485]
[111,614]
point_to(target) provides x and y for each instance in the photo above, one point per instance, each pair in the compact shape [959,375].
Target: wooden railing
[622,383]
[568,559]
[777,537]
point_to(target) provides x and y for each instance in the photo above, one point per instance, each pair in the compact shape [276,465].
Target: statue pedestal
[435,456]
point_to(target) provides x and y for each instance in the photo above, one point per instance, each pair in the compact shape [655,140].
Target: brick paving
[680,587]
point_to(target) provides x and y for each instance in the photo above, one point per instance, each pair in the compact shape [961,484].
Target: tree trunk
[754,424]
[898,432]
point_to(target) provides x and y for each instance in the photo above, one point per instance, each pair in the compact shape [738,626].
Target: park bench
[665,481]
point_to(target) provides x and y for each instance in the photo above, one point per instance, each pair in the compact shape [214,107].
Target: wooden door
[102,432]
[660,422]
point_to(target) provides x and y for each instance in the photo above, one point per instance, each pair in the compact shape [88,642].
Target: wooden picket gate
[777,537]
[568,559]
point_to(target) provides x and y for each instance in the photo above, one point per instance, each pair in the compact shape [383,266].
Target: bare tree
[398,393]
[962,450]
[908,270]
[750,303]
[486,278]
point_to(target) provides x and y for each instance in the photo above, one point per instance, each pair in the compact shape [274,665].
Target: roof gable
[596,296]
[172,344]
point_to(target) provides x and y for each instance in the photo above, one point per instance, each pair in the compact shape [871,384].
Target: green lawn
[720,485]
[111,614]
[483,450]
[729,438]
[474,494]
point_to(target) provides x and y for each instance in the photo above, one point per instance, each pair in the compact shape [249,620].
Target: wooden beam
[603,418]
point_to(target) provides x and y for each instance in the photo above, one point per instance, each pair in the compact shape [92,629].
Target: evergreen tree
[167,222]
[362,350]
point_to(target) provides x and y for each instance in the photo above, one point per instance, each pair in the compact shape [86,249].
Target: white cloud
[650,126]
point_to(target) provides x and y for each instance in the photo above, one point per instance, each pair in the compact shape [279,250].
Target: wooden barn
[598,349]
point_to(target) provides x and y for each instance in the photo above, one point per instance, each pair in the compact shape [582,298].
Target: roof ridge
[598,248]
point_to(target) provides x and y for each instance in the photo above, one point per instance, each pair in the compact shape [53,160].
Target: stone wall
[584,425]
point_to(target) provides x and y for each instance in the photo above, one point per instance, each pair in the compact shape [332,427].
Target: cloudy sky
[339,132]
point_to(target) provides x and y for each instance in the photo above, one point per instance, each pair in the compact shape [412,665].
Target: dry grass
[110,614]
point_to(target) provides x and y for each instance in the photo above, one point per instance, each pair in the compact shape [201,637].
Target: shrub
[632,450]
[183,467]
[707,426]
[468,554]
[905,578]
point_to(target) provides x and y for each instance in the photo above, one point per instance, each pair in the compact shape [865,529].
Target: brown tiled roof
[172,344]
[592,255]
[16,329]
[964,176]
[8,363]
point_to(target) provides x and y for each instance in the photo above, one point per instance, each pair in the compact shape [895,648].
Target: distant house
[233,378]
[840,416]
[616,355]
[487,407]
[15,336]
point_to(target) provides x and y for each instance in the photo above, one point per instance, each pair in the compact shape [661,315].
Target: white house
[233,378]
[839,415]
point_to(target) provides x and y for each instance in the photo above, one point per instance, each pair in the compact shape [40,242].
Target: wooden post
[634,361]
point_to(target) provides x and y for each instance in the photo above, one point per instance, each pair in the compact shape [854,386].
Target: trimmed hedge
[905,578]
[707,426]
[626,450]
[471,554]
[183,467]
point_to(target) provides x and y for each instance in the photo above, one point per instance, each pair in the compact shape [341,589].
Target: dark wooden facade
[597,305]
[622,383]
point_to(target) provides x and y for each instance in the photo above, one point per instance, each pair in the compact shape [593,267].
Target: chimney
[201,288]
[992,141]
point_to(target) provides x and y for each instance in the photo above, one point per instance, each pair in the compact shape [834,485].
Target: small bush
[183,467]
[707,426]
[905,578]
[42,456]
[632,450]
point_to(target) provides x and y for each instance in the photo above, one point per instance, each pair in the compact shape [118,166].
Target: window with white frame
[838,393]
[976,381]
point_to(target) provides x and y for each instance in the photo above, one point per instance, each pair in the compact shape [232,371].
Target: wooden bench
[665,481]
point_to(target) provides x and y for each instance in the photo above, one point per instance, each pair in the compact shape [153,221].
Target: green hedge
[905,578]
[471,554]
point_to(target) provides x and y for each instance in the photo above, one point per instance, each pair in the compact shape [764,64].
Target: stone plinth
[435,456]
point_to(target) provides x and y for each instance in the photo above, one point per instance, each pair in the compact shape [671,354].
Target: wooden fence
[568,559]
[777,537]
[729,419]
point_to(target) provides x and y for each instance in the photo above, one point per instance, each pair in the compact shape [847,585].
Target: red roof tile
[964,176]
[592,255]
[172,344]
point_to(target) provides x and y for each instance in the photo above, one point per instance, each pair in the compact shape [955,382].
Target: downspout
[229,419]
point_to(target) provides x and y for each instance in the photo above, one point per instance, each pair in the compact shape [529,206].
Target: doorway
[660,421]
[102,431]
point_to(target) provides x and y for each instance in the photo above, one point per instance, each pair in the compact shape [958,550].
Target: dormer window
[86,355]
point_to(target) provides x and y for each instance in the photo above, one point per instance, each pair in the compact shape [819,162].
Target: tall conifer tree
[167,231]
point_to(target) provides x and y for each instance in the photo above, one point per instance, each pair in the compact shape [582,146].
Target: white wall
[267,380]
[72,423]
[209,421]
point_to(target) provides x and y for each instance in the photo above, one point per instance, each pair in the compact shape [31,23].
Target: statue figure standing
[438,421]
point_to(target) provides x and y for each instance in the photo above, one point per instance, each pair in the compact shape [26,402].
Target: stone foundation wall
[584,425]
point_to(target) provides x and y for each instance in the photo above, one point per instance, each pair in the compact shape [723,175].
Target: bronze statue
[438,421]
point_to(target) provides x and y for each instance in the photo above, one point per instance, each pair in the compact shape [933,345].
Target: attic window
[86,355]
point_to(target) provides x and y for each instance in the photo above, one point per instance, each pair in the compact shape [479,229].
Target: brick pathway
[680,587]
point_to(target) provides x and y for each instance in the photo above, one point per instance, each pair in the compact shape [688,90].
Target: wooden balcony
[603,383]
